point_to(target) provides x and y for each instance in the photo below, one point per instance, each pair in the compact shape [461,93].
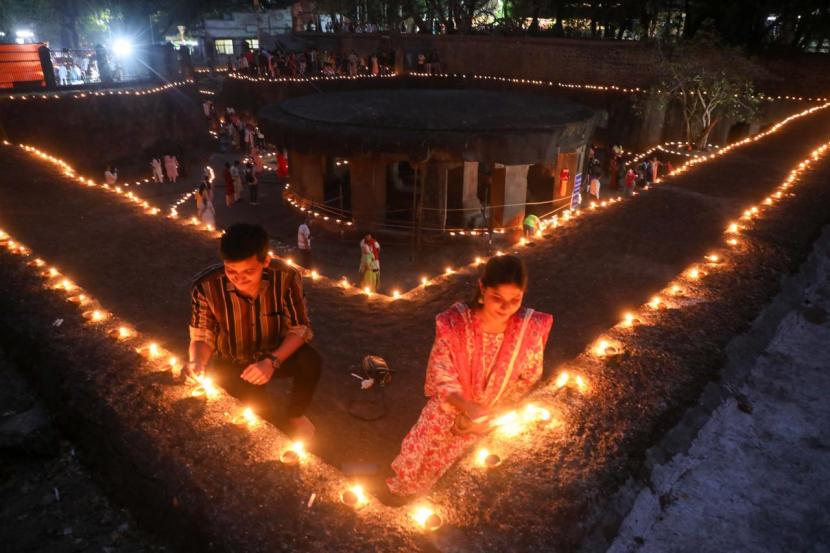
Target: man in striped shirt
[251,311]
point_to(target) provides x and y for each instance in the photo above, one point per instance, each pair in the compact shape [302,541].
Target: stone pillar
[469,199]
[509,187]
[368,188]
[579,167]
[307,175]
[435,192]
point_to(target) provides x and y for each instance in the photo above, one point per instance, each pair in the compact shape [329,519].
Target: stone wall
[95,131]
[621,63]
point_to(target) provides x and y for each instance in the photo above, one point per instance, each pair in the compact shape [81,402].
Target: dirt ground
[49,502]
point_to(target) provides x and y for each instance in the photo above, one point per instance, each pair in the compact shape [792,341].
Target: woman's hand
[475,412]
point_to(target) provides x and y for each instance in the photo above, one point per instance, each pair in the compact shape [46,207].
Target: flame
[299,449]
[562,379]
[396,294]
[534,413]
[250,417]
[206,387]
[509,423]
[96,315]
[422,514]
[67,285]
[359,494]
[153,350]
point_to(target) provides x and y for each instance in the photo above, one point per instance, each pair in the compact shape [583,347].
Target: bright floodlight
[24,33]
[122,47]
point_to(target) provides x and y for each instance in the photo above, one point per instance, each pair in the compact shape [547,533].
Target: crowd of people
[279,62]
[621,176]
[368,267]
[74,68]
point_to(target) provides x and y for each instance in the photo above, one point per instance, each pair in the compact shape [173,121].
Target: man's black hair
[242,241]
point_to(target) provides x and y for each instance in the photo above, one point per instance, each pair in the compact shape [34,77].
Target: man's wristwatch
[275,361]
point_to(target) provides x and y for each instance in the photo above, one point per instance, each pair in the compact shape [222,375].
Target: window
[224,46]
[253,43]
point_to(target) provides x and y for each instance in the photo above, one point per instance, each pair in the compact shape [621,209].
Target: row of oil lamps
[547,223]
[509,424]
[114,92]
[294,454]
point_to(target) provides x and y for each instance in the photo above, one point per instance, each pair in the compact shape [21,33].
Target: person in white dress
[204,203]
[158,175]
[111,175]
[304,243]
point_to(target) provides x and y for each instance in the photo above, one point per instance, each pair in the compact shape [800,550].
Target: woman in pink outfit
[487,354]
[171,167]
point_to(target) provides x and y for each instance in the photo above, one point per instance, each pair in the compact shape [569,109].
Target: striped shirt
[241,328]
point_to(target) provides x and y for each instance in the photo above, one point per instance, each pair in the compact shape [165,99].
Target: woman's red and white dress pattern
[458,364]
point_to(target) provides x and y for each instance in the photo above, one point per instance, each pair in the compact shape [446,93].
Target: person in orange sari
[487,355]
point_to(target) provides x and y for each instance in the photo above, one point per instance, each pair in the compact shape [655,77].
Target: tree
[709,82]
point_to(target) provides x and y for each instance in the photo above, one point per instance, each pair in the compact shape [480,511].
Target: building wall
[95,131]
[621,63]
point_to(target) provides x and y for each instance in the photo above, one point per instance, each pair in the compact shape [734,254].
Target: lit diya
[80,299]
[427,518]
[205,388]
[354,497]
[120,333]
[293,455]
[95,315]
[487,459]
[247,417]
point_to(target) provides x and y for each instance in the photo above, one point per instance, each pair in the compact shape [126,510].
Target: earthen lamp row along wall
[97,130]
[658,122]
[625,63]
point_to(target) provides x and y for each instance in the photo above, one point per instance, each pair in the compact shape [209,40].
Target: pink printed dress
[486,369]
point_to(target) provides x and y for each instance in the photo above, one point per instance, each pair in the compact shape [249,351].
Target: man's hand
[258,373]
[192,371]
